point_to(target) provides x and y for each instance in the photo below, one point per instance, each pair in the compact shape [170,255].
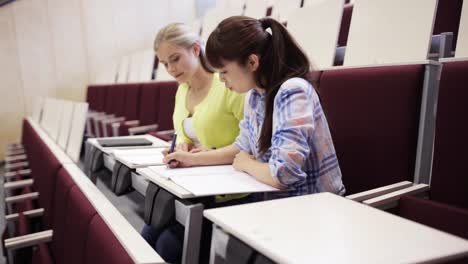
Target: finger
[165,152]
[169,157]
[173,164]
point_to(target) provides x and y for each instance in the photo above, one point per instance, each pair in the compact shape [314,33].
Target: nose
[171,69]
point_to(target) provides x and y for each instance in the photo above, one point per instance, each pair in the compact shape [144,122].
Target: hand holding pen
[173,163]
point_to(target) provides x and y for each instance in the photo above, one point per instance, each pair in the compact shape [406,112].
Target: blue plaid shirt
[301,157]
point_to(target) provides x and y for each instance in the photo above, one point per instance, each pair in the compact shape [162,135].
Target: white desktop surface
[168,185]
[326,228]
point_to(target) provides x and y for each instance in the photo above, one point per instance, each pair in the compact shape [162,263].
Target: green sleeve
[236,104]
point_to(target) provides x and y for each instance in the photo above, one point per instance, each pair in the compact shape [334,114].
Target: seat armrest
[28,240]
[167,132]
[112,120]
[19,172]
[16,165]
[389,199]
[29,213]
[358,197]
[132,123]
[142,129]
[11,159]
[21,197]
[18,184]
[107,121]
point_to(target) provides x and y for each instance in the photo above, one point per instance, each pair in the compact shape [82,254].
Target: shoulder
[294,87]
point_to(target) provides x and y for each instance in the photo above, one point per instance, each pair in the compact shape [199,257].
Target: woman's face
[237,77]
[181,63]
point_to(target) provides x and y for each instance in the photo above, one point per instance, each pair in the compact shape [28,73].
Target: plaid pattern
[302,157]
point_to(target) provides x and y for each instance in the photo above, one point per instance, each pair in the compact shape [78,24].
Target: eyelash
[172,61]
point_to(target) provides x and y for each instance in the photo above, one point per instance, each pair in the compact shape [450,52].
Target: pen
[171,149]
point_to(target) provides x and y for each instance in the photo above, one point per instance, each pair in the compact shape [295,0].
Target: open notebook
[138,158]
[212,180]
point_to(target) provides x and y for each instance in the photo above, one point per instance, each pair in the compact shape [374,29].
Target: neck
[200,79]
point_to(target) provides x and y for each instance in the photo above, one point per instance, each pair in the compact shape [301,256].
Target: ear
[253,62]
[196,49]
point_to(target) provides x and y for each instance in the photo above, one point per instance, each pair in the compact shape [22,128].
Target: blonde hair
[181,35]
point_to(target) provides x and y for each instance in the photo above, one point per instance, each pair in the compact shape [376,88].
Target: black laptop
[124,142]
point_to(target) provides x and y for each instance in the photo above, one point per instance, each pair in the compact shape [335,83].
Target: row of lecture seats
[325,25]
[77,223]
[124,109]
[306,20]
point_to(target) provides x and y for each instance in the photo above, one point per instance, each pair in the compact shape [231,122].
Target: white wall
[55,47]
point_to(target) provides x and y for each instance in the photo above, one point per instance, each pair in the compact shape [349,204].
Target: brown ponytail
[281,58]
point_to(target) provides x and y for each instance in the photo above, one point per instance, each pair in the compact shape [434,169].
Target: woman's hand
[181,147]
[180,159]
[242,160]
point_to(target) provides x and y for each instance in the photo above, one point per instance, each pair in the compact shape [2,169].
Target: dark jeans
[169,241]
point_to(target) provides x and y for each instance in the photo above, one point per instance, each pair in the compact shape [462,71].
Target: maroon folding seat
[148,108]
[345,23]
[102,246]
[44,168]
[110,105]
[114,106]
[71,229]
[99,106]
[64,184]
[449,178]
[446,208]
[373,114]
[129,109]
[448,18]
[92,97]
[166,105]
[79,214]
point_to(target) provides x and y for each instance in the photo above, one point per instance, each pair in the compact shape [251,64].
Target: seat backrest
[373,114]
[449,180]
[132,99]
[44,167]
[149,104]
[384,31]
[448,18]
[78,217]
[101,98]
[319,19]
[109,101]
[462,37]
[92,97]
[166,104]
[282,9]
[256,8]
[64,184]
[119,99]
[102,246]
[77,130]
